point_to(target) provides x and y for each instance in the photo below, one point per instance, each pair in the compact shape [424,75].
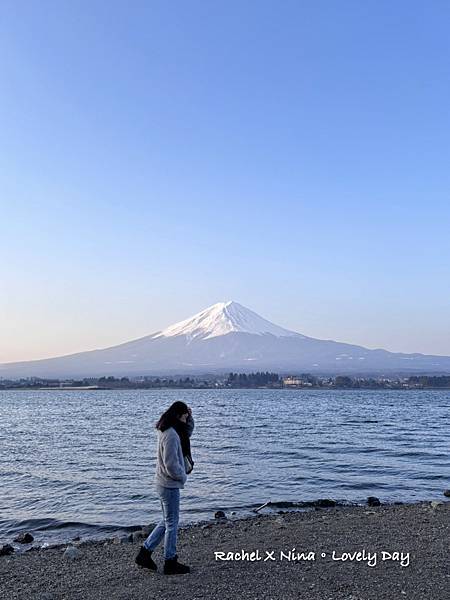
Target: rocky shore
[339,553]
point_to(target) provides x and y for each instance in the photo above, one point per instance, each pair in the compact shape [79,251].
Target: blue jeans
[167,528]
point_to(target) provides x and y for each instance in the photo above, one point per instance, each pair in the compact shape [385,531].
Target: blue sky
[158,157]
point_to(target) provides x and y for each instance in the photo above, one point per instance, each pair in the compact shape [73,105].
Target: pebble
[281,523]
[435,503]
[373,501]
[71,553]
[447,493]
[6,550]
[325,502]
[220,515]
[24,538]
[117,541]
[123,539]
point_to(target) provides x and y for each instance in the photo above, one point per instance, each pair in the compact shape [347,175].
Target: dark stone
[24,538]
[325,503]
[220,515]
[76,539]
[447,493]
[373,501]
[6,550]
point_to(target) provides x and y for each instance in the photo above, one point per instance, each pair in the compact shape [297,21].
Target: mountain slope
[226,336]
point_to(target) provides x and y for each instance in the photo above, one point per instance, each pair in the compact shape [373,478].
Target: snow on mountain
[222,318]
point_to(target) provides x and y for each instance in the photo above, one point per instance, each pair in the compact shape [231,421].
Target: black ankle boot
[173,567]
[144,559]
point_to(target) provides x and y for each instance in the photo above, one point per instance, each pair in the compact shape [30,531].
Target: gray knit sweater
[170,469]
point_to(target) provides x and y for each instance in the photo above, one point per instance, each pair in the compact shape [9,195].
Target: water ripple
[83,462]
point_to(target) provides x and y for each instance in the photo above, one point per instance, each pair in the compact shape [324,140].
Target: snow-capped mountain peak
[187,347]
[223,318]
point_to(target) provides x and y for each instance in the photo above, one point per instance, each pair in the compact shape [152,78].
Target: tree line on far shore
[237,380]
[252,379]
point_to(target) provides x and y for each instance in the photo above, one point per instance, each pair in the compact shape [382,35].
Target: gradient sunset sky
[158,157]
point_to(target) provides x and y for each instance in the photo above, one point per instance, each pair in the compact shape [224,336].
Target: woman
[173,462]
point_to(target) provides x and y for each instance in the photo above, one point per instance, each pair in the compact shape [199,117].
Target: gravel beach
[298,548]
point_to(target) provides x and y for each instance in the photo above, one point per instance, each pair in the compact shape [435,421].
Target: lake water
[82,462]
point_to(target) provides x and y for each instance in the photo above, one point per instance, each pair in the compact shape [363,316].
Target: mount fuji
[226,336]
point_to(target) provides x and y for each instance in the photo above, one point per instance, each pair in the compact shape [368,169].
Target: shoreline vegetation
[258,380]
[365,552]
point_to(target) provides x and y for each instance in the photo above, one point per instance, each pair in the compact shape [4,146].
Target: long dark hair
[171,416]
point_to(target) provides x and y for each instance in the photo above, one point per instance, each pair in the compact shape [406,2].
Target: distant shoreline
[290,388]
[234,381]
